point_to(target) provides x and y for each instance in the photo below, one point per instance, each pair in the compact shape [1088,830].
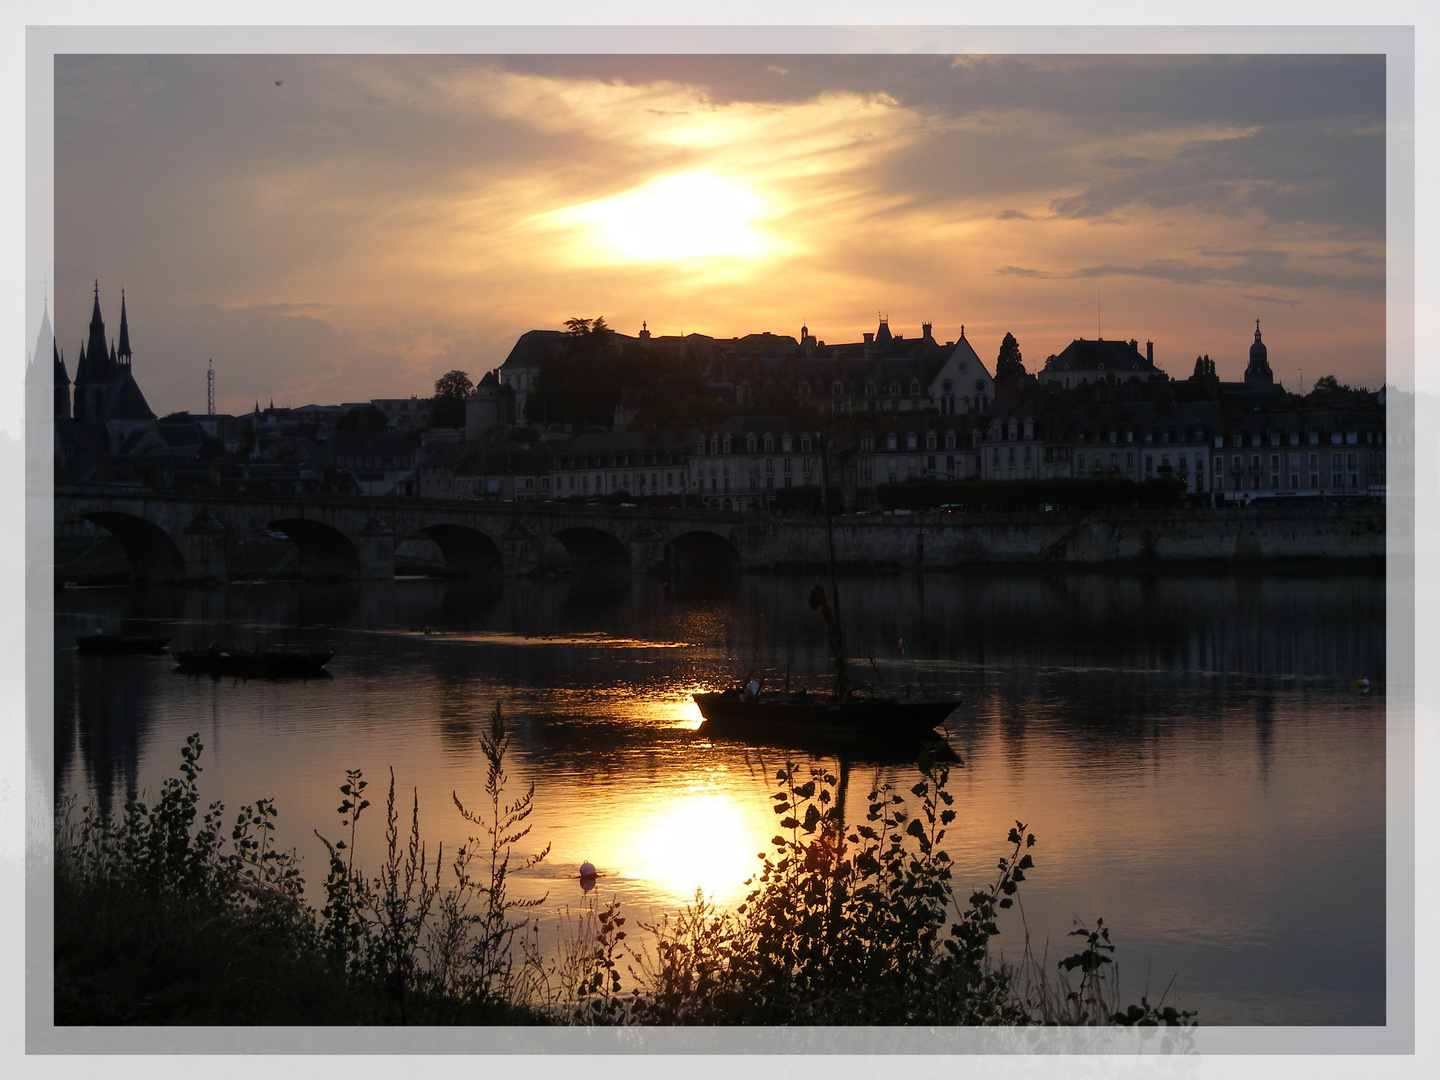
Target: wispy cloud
[373,221]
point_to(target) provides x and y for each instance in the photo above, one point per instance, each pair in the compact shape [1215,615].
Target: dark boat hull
[812,717]
[256,664]
[111,644]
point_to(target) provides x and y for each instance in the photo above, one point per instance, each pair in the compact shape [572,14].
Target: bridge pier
[375,548]
[520,549]
[204,547]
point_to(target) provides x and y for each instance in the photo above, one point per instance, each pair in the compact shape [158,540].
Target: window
[805,444]
[950,440]
[837,388]
[769,443]
[750,443]
[714,444]
[1219,474]
[930,441]
[890,441]
[785,443]
[1130,459]
[1079,462]
[726,444]
[911,441]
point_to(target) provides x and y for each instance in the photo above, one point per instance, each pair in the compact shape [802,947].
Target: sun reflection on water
[705,839]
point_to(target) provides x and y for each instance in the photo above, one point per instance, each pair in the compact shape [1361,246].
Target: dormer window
[714,444]
[914,387]
[894,387]
[750,443]
[1030,431]
[890,442]
[930,441]
[804,387]
[805,444]
[870,389]
[950,440]
[975,439]
[769,443]
[702,444]
[911,441]
[726,444]
[837,388]
[1012,429]
[785,443]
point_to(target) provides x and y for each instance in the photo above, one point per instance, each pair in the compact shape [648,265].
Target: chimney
[869,337]
[925,329]
[1150,353]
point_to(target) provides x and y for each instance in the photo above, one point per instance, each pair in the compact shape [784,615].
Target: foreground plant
[842,925]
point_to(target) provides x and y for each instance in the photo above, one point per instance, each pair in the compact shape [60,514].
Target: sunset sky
[336,228]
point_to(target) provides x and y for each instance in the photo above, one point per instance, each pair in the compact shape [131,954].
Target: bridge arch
[701,551]
[591,549]
[151,551]
[325,553]
[467,552]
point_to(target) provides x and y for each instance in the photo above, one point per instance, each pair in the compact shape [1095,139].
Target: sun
[683,216]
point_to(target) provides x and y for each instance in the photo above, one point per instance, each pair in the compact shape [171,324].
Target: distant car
[627,506]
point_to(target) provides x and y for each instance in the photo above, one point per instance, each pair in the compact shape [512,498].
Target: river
[1188,747]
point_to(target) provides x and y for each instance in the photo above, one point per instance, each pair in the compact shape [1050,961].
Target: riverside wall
[1239,535]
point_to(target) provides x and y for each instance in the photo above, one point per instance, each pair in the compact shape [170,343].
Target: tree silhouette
[447,407]
[1008,367]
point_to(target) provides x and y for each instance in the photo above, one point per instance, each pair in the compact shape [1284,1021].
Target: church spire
[124,351]
[95,350]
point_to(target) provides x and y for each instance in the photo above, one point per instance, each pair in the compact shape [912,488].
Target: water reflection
[1188,747]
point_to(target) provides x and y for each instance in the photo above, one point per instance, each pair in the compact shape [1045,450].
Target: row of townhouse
[1323,452]
[742,463]
[642,463]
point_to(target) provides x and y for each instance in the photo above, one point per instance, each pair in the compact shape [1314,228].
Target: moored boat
[120,643]
[261,663]
[847,714]
[856,717]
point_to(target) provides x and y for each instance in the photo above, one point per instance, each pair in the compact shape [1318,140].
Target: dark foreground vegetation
[168,916]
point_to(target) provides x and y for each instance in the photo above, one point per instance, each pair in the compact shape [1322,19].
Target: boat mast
[837,637]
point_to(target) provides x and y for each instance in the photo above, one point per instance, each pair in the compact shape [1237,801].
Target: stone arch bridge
[183,538]
[177,538]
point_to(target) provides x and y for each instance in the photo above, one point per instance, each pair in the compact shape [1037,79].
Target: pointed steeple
[95,349]
[124,351]
[62,385]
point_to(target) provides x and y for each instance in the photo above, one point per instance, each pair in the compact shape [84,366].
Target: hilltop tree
[447,407]
[581,383]
[1008,367]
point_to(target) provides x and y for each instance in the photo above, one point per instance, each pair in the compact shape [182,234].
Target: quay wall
[960,539]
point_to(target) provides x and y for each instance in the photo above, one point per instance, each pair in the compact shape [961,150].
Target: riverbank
[168,917]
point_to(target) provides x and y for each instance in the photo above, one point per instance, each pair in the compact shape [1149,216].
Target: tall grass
[165,916]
